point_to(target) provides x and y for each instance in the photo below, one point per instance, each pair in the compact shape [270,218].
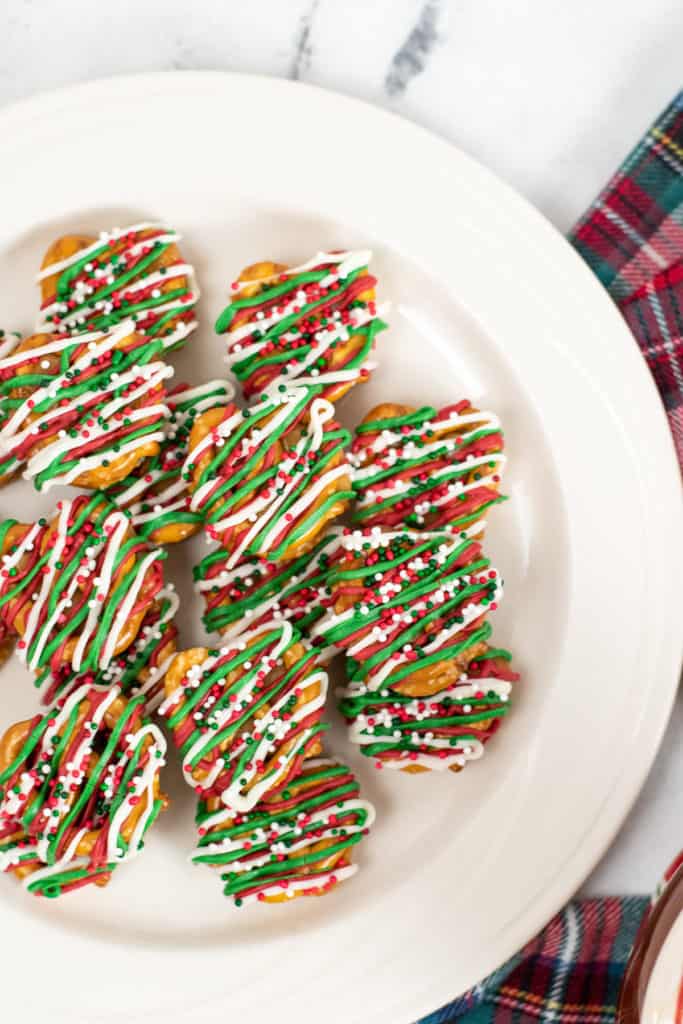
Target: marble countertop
[550,95]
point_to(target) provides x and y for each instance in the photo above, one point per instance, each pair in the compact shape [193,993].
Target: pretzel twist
[266,482]
[84,410]
[79,788]
[248,721]
[156,495]
[76,590]
[314,324]
[90,282]
[426,470]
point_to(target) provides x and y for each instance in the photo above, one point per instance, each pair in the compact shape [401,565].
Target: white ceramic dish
[491,302]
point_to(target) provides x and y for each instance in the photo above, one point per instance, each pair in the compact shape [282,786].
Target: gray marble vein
[412,56]
[302,43]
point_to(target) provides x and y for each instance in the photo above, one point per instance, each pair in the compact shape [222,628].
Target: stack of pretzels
[322,543]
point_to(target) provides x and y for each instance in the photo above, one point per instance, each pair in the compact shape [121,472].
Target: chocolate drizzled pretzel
[139,670]
[442,731]
[257,591]
[84,410]
[298,841]
[278,819]
[424,469]
[314,324]
[90,282]
[79,788]
[244,717]
[155,494]
[409,609]
[76,590]
[266,481]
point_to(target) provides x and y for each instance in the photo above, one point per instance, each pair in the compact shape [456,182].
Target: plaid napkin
[632,238]
[570,973]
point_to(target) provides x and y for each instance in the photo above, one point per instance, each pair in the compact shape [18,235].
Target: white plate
[491,302]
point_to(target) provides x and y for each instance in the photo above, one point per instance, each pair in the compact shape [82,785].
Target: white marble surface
[549,94]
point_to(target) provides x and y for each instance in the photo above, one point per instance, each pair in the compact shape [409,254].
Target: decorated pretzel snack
[79,788]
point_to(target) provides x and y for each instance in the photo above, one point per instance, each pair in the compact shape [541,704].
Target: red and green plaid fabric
[632,238]
[569,974]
